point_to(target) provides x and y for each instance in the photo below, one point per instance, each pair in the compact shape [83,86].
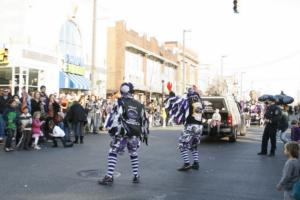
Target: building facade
[144,62]
[188,66]
[49,44]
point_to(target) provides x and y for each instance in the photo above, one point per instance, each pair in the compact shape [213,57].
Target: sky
[262,41]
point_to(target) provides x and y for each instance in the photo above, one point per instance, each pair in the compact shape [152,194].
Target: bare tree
[218,87]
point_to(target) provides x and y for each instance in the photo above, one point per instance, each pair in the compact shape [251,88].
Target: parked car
[231,120]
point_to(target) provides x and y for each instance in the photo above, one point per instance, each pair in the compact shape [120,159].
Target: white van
[231,122]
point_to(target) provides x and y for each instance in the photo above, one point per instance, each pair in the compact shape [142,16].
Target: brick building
[191,66]
[145,63]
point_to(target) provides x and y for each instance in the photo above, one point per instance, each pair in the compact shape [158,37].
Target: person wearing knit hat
[127,124]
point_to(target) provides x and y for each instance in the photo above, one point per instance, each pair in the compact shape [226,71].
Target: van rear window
[213,104]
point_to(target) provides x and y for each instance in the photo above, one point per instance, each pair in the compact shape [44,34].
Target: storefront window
[33,77]
[134,68]
[5,76]
[154,75]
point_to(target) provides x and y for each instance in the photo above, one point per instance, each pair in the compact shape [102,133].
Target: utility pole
[162,92]
[183,59]
[93,64]
[242,73]
[222,57]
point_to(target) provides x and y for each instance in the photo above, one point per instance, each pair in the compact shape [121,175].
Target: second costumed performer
[188,111]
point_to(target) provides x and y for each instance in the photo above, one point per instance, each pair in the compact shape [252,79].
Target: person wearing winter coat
[77,118]
[36,103]
[295,131]
[4,99]
[11,119]
[26,123]
[58,133]
[36,129]
[284,124]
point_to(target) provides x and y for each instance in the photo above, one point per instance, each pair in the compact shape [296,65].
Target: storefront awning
[73,81]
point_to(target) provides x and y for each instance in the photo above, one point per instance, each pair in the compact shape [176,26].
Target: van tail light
[229,119]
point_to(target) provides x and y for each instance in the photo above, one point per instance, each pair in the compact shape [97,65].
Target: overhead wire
[272,62]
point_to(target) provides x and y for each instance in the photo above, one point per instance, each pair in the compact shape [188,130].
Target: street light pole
[242,73]
[162,92]
[183,59]
[222,57]
[93,64]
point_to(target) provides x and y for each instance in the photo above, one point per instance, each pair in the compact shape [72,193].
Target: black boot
[54,143]
[81,139]
[261,153]
[195,166]
[136,179]
[106,181]
[272,154]
[65,144]
[27,141]
[76,140]
[185,167]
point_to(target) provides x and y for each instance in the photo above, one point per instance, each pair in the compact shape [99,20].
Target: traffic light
[3,56]
[235,6]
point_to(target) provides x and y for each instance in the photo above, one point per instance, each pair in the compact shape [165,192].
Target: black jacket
[35,106]
[273,113]
[76,114]
[4,103]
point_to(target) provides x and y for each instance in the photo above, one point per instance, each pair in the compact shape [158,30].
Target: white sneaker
[37,147]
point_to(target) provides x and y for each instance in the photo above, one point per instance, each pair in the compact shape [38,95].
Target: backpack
[132,117]
[296,190]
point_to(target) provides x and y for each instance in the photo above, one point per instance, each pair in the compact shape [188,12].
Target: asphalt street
[228,171]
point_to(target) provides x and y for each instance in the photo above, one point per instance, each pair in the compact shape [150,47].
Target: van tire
[233,137]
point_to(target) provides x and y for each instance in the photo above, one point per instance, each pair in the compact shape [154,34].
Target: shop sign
[73,69]
[73,65]
[3,56]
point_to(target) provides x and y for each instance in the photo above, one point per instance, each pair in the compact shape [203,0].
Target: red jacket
[36,126]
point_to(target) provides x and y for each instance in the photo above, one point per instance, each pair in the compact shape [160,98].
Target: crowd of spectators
[31,119]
